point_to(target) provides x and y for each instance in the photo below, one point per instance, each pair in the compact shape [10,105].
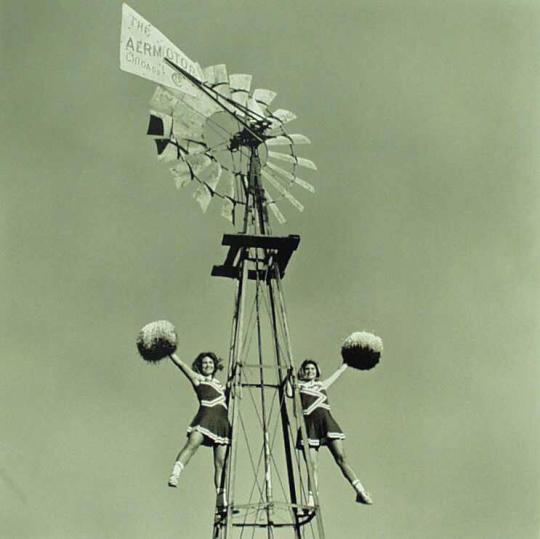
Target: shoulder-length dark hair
[197,362]
[304,364]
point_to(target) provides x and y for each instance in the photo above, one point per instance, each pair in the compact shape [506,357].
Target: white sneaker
[362,495]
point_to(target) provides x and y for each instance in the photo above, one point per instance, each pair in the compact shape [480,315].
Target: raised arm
[190,374]
[229,383]
[289,392]
[331,379]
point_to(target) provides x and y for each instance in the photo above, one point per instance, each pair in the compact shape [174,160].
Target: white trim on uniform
[330,436]
[215,383]
[214,437]
[218,401]
[315,390]
[336,435]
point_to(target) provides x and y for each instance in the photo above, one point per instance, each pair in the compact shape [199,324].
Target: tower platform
[266,254]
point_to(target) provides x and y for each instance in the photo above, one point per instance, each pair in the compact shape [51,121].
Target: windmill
[214,137]
[223,139]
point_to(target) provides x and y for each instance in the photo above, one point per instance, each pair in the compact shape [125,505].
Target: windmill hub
[250,137]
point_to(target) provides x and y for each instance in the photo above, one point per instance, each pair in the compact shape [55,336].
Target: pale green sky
[425,123]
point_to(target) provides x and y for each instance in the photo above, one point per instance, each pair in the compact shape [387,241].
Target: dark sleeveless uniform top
[313,397]
[211,393]
[321,427]
[211,419]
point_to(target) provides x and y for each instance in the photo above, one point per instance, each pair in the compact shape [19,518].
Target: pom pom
[157,340]
[361,350]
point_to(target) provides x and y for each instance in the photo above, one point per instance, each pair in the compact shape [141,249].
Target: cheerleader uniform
[321,427]
[211,419]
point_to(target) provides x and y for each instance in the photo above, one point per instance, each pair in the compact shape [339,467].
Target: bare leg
[193,443]
[220,457]
[313,457]
[338,452]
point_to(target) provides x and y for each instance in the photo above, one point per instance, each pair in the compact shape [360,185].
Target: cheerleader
[210,426]
[322,428]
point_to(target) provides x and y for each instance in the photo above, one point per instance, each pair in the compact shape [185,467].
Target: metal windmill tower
[218,136]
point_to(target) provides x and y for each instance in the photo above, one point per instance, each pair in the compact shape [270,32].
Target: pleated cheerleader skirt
[213,424]
[321,427]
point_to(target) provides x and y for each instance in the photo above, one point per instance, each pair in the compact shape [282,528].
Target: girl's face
[207,366]
[309,372]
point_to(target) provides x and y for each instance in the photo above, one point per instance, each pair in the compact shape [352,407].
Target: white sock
[177,469]
[221,497]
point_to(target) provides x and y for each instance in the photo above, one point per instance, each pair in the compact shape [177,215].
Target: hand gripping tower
[219,136]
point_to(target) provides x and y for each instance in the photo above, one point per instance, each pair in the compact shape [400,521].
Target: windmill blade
[288,140]
[307,163]
[163,100]
[280,218]
[181,174]
[161,144]
[188,124]
[263,96]
[210,76]
[306,185]
[192,147]
[159,124]
[212,175]
[202,104]
[255,107]
[290,176]
[240,85]
[227,209]
[303,162]
[282,116]
[198,163]
[216,77]
[167,100]
[240,82]
[169,153]
[167,150]
[203,196]
[227,182]
[282,191]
